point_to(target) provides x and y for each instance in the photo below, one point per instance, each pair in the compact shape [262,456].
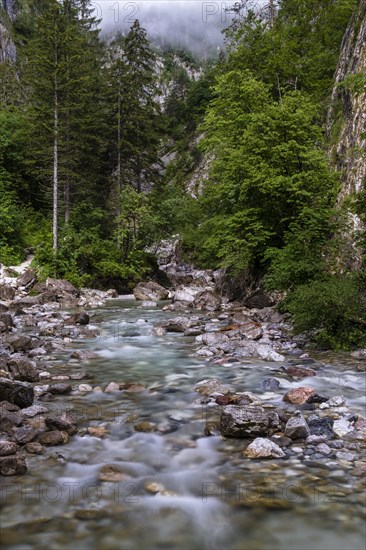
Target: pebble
[85,387]
[324,449]
[348,457]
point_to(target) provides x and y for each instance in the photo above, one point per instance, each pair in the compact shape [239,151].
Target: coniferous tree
[62,59]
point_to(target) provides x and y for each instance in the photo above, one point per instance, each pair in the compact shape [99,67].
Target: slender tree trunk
[119,181]
[55,165]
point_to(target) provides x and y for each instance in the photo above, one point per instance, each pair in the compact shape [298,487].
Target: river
[173,487]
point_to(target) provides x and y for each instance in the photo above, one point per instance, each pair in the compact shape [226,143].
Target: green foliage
[332,311]
[270,191]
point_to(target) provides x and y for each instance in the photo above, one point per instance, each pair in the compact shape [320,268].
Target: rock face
[263,448]
[18,393]
[150,291]
[348,149]
[247,421]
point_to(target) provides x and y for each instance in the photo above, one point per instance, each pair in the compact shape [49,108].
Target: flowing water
[178,488]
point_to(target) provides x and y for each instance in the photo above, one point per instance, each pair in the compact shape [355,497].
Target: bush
[331,311]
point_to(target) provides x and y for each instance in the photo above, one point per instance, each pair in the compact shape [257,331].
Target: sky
[194,24]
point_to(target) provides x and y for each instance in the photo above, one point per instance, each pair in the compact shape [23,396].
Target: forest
[100,134]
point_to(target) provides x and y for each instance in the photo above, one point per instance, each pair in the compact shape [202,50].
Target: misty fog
[194,24]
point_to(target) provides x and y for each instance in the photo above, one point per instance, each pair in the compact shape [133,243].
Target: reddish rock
[299,396]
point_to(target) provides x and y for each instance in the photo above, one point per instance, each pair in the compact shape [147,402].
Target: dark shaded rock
[150,291]
[27,279]
[60,389]
[6,292]
[296,427]
[23,369]
[18,393]
[7,448]
[3,307]
[54,437]
[78,319]
[258,300]
[238,421]
[321,426]
[12,465]
[317,398]
[24,435]
[7,320]
[65,423]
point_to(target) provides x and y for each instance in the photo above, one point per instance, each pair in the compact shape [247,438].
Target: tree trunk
[119,182]
[55,165]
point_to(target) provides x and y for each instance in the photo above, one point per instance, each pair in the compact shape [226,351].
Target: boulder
[186,295]
[24,434]
[7,292]
[263,448]
[18,393]
[296,427]
[78,319]
[7,448]
[258,300]
[211,386]
[64,422]
[150,291]
[18,342]
[27,279]
[23,369]
[299,396]
[248,421]
[178,324]
[12,465]
[62,287]
[207,300]
[321,426]
[54,437]
[7,320]
[299,372]
[60,389]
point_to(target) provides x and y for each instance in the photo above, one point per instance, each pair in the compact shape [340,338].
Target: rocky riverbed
[201,419]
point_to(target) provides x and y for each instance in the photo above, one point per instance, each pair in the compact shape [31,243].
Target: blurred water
[209,496]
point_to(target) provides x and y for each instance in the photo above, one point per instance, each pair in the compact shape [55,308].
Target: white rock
[342,427]
[263,448]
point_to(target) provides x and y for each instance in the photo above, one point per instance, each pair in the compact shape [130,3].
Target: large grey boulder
[297,427]
[248,421]
[150,291]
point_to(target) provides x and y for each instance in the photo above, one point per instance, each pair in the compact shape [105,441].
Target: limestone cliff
[7,47]
[346,123]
